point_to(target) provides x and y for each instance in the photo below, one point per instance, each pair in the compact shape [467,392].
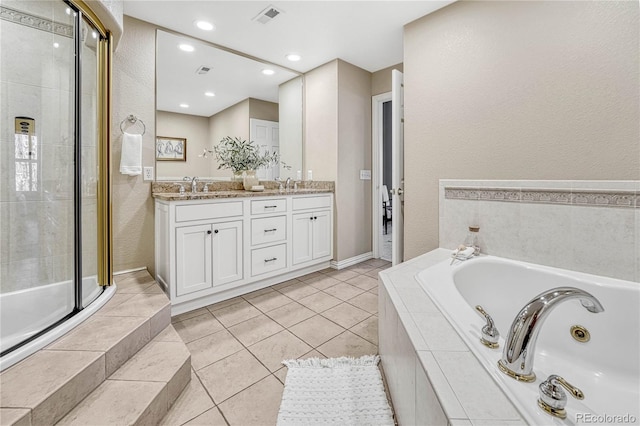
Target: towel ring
[133,120]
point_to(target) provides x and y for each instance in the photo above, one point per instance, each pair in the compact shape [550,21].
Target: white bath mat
[334,391]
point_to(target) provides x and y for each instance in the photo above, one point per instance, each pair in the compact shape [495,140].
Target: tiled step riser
[126,324]
[143,389]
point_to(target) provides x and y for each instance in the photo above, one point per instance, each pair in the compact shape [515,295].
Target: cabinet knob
[311,218]
[209,232]
[315,218]
[215,231]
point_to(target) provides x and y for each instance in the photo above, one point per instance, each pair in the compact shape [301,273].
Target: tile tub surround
[432,375]
[585,226]
[237,345]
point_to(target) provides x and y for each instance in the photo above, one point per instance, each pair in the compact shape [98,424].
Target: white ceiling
[367,34]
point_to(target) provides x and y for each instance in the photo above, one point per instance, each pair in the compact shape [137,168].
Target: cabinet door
[302,240]
[227,252]
[322,234]
[193,259]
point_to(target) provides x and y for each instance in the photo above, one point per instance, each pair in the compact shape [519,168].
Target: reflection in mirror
[205,93]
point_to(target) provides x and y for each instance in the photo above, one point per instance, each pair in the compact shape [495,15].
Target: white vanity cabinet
[208,250]
[312,229]
[207,256]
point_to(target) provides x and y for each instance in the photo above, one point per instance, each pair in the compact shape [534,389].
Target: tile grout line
[210,397]
[265,313]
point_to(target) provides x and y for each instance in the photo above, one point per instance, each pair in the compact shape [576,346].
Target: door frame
[376,169]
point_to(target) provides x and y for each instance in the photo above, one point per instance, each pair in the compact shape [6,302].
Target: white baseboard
[126,271]
[351,261]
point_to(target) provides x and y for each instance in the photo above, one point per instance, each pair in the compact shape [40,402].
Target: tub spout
[519,347]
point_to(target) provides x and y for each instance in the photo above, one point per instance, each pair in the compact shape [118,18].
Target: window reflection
[26,155]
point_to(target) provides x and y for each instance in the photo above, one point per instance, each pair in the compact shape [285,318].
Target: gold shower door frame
[105,249]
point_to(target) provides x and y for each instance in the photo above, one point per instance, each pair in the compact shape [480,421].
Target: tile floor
[237,345]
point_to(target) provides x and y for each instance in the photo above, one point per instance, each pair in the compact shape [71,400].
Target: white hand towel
[131,160]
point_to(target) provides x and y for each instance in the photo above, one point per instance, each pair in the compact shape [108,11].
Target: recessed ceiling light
[184,105]
[186,47]
[209,94]
[68,10]
[268,72]
[94,34]
[56,45]
[204,25]
[294,57]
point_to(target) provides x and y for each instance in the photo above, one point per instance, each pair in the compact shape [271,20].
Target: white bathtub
[606,369]
[24,313]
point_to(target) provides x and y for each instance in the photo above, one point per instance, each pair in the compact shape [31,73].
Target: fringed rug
[334,391]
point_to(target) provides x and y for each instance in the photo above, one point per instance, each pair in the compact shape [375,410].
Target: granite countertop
[169,190]
[234,193]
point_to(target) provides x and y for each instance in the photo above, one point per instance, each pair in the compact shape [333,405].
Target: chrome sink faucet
[520,344]
[194,183]
[288,184]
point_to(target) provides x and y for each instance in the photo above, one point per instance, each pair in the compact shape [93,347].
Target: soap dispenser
[472,239]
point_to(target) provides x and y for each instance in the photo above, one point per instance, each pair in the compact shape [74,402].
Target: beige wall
[263,110]
[517,90]
[381,79]
[338,146]
[353,196]
[133,93]
[321,122]
[290,128]
[196,130]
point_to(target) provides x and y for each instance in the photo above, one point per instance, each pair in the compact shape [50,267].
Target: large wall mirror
[205,93]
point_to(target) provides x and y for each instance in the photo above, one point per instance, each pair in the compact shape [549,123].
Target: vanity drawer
[269,206]
[268,259]
[303,203]
[208,211]
[268,230]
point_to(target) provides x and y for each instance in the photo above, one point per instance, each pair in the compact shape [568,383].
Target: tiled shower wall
[585,226]
[36,80]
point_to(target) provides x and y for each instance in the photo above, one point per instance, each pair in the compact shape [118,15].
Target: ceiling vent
[203,70]
[268,14]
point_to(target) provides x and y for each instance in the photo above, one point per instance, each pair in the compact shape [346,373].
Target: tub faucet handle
[553,399]
[490,333]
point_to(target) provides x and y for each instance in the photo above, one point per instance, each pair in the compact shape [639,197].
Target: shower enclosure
[54,218]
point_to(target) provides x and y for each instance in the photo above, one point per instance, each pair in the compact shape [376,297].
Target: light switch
[365,174]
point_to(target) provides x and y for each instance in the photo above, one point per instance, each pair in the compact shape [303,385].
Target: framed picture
[171,149]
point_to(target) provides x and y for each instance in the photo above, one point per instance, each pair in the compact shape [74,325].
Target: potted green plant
[243,157]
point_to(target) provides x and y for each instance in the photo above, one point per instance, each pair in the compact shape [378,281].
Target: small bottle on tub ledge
[472,239]
[470,248]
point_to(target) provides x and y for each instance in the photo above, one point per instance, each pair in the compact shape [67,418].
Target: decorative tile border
[37,22]
[602,198]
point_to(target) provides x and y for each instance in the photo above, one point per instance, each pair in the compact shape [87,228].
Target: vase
[238,177]
[250,179]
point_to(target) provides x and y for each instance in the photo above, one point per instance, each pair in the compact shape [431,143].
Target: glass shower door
[49,166]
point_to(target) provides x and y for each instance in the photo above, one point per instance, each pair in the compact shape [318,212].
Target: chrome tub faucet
[520,344]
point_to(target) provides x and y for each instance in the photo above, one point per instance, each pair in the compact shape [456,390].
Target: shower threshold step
[134,324]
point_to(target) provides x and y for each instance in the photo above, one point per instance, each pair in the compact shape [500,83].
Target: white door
[266,134]
[302,238]
[397,159]
[321,234]
[193,259]
[227,252]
